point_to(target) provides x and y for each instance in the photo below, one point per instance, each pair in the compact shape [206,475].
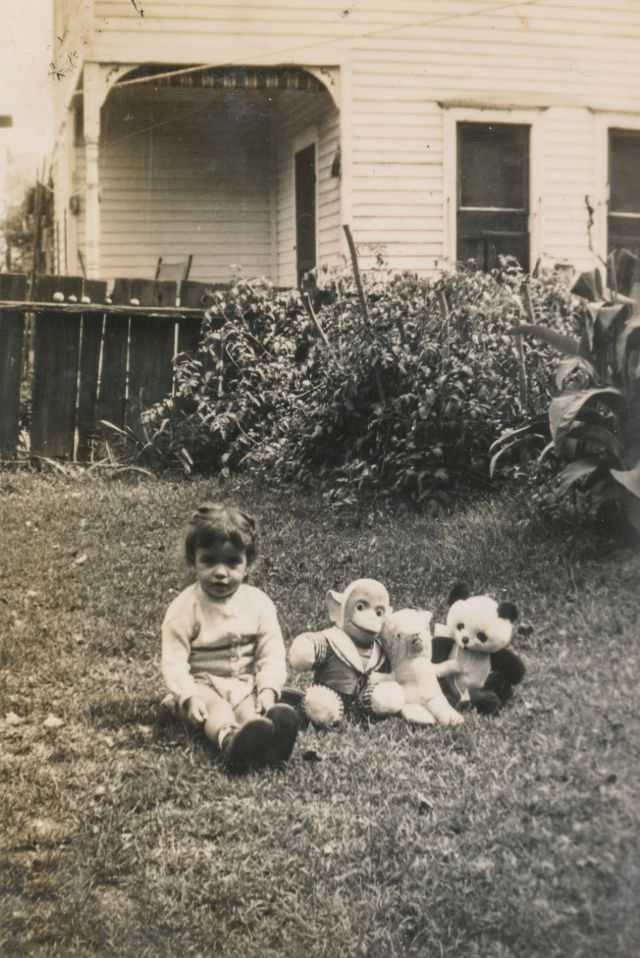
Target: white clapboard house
[244,134]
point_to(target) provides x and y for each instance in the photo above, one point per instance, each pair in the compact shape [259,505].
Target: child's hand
[265,700]
[196,711]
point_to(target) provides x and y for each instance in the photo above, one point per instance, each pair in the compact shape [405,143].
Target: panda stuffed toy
[477,633]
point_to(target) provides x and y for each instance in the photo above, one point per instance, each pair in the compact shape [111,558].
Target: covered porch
[238,168]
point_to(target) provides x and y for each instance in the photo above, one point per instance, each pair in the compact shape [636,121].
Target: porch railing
[70,357]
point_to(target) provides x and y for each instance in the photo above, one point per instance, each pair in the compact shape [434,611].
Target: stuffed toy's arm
[508,664]
[307,651]
[441,644]
[442,669]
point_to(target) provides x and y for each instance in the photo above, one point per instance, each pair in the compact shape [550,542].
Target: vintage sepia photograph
[320,479]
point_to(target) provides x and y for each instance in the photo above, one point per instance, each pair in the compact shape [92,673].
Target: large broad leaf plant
[594,421]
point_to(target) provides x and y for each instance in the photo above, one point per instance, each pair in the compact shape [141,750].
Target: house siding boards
[193,185]
[410,64]
[569,162]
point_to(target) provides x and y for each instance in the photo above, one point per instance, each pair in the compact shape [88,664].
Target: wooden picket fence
[81,360]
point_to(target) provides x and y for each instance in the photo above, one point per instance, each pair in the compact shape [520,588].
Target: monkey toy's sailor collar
[345,649]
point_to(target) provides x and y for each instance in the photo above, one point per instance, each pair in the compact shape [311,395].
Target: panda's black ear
[507,610]
[460,591]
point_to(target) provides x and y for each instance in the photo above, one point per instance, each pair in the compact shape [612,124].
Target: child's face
[220,569]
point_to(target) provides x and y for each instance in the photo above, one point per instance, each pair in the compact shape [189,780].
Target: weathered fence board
[56,345]
[89,365]
[145,292]
[151,349]
[192,294]
[12,287]
[94,360]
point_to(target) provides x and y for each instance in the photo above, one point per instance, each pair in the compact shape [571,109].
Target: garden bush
[403,400]
[590,440]
[232,393]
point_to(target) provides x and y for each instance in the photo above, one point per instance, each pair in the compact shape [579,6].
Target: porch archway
[201,162]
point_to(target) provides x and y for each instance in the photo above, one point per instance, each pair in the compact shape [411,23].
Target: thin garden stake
[363,301]
[444,310]
[522,366]
[316,322]
[356,275]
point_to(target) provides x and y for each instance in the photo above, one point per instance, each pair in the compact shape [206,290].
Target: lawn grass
[505,838]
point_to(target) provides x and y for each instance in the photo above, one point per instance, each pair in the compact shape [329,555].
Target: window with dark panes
[493,193]
[624,203]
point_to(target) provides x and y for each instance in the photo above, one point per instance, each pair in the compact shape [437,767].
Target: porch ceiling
[152,104]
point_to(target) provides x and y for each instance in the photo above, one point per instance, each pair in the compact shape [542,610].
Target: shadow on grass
[113,714]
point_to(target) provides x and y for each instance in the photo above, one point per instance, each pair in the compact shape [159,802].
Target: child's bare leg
[220,717]
[251,743]
[245,710]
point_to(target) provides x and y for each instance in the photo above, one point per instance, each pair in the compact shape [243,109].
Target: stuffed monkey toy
[346,658]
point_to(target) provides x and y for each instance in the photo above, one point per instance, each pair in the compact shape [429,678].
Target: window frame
[533,118]
[605,123]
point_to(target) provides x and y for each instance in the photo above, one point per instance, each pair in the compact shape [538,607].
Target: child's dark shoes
[286,724]
[249,747]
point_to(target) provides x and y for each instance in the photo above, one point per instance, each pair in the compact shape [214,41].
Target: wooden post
[151,349]
[55,372]
[91,338]
[192,294]
[12,287]
[93,95]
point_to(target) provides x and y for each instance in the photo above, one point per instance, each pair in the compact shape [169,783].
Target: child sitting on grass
[223,656]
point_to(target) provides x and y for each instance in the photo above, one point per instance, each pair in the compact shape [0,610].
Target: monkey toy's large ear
[335,604]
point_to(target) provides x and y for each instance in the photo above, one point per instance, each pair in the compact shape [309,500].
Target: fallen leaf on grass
[310,755]
[48,831]
[81,559]
[52,721]
[481,866]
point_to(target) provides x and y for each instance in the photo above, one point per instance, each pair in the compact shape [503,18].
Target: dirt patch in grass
[517,836]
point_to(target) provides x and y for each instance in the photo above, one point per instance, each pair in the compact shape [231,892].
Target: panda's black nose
[465,640]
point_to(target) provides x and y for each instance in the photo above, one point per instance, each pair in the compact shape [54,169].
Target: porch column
[346,154]
[93,95]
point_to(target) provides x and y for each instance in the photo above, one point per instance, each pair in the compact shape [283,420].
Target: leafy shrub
[593,426]
[411,403]
[405,399]
[231,393]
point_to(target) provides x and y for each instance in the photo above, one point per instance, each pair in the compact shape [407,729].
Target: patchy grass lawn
[505,838]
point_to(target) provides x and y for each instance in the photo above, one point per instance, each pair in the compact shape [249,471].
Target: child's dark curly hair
[213,522]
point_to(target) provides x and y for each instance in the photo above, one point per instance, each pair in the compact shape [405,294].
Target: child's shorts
[234,691]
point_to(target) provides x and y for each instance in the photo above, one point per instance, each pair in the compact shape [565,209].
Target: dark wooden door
[305,186]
